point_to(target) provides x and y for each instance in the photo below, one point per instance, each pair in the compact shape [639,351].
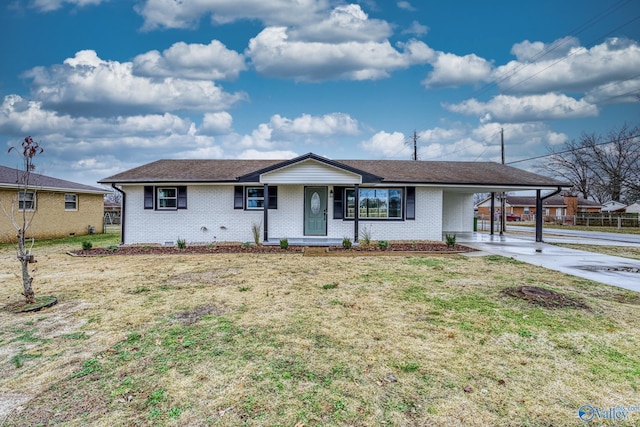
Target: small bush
[346,243]
[284,243]
[450,240]
[86,245]
[255,230]
[383,244]
[182,244]
[112,248]
[245,245]
[365,236]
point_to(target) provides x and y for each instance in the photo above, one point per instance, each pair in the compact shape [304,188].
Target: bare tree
[25,204]
[600,168]
[571,164]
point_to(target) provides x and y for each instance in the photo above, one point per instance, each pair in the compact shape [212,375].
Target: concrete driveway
[610,270]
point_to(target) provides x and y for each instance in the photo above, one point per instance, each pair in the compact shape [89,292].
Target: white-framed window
[376,203]
[26,200]
[167,198]
[255,197]
[70,202]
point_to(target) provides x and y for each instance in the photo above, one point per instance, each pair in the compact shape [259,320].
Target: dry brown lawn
[282,339]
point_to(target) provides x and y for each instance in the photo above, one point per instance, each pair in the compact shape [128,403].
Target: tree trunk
[26,281]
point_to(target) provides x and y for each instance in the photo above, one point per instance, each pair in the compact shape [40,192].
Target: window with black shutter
[411,203]
[148,197]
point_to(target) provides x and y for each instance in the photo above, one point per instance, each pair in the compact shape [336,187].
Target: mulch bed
[430,247]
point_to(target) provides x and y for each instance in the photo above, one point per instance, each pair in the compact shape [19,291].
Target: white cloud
[623,91]
[274,55]
[450,70]
[191,61]
[88,85]
[345,23]
[187,14]
[388,145]
[50,5]
[273,154]
[527,51]
[329,124]
[416,29]
[579,69]
[406,6]
[216,123]
[506,108]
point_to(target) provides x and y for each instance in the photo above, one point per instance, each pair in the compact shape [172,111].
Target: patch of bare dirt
[192,316]
[543,297]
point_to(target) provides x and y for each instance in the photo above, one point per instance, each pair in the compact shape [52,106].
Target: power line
[570,150]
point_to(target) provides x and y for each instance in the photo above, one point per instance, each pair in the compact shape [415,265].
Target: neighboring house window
[376,203]
[26,201]
[255,197]
[70,202]
[166,198]
[526,211]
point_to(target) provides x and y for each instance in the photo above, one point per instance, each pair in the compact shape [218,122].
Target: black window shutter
[273,197]
[338,205]
[411,203]
[238,197]
[182,197]
[148,197]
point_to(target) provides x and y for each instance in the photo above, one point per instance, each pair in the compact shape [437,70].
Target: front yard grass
[281,339]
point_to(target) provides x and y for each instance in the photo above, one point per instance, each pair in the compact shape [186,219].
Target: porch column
[266,212]
[356,214]
[538,216]
[492,213]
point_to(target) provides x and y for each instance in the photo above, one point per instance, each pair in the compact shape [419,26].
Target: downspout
[265,219]
[539,201]
[122,216]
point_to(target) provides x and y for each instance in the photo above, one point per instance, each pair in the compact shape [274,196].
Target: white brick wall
[457,212]
[210,217]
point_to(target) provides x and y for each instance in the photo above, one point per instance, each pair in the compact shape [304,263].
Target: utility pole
[503,205]
[415,145]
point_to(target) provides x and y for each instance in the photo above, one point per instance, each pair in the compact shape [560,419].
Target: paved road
[593,237]
[610,270]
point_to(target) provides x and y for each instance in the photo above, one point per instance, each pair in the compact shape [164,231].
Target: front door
[315,211]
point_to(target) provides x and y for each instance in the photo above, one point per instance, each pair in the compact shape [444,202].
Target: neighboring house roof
[551,201]
[633,208]
[613,206]
[373,171]
[11,178]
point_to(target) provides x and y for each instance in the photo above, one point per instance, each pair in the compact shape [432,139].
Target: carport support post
[266,212]
[493,207]
[356,214]
[538,216]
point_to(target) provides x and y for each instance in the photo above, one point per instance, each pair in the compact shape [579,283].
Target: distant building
[58,208]
[524,207]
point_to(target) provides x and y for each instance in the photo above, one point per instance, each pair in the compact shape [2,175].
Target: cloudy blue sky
[107,85]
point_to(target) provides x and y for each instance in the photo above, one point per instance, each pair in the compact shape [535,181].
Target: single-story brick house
[56,208]
[307,199]
[524,207]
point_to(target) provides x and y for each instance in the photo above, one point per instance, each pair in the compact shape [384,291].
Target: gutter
[539,201]
[122,207]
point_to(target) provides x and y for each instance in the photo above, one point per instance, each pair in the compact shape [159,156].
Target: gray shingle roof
[392,171]
[11,178]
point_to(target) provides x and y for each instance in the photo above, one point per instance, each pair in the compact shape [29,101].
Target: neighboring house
[633,208]
[57,208]
[309,198]
[524,207]
[613,206]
